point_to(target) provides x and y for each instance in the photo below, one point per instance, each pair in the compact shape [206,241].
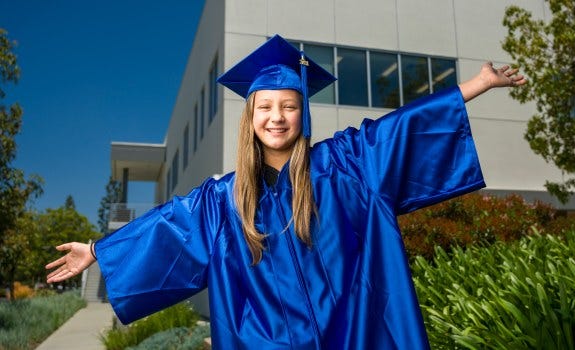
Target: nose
[276,115]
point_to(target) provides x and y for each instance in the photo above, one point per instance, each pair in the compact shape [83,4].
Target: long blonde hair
[248,179]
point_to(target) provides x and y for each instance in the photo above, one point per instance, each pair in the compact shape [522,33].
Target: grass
[25,323]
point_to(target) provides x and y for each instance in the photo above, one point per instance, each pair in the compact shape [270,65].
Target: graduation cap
[278,65]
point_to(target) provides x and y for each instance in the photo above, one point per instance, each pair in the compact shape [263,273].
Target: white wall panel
[506,159]
[366,23]
[324,122]
[427,27]
[302,20]
[246,16]
[480,29]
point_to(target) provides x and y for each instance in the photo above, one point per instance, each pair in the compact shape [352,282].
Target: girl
[299,248]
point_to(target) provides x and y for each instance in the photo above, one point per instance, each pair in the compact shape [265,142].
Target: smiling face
[277,123]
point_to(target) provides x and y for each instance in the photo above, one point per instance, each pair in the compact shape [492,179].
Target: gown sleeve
[160,258]
[416,156]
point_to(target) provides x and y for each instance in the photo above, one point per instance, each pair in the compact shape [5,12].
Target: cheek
[295,121]
[256,120]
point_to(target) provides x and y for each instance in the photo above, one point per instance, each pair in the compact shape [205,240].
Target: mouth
[277,130]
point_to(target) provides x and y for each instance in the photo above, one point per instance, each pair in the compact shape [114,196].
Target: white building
[384,53]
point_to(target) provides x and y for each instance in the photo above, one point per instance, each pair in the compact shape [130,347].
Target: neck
[276,160]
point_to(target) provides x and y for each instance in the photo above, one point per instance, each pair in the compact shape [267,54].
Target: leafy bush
[181,338]
[179,315]
[507,296]
[25,323]
[22,291]
[474,219]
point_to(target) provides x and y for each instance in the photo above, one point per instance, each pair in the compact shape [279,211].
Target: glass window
[384,80]
[196,131]
[213,90]
[168,185]
[323,56]
[186,145]
[352,77]
[295,44]
[443,73]
[202,112]
[175,169]
[415,77]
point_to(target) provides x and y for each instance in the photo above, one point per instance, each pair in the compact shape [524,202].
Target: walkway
[83,330]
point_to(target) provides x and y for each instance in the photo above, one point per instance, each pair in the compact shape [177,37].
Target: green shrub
[27,322]
[474,219]
[179,315]
[507,296]
[181,338]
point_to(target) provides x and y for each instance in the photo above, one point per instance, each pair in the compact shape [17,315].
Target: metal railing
[122,213]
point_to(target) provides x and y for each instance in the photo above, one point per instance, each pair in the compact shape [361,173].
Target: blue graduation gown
[352,289]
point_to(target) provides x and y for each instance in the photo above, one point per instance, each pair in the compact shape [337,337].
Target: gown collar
[274,179]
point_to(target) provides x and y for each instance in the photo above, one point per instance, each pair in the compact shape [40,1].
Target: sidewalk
[83,330]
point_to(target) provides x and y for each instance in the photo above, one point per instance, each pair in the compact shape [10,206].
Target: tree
[38,234]
[113,195]
[54,227]
[15,190]
[544,50]
[17,248]
[70,204]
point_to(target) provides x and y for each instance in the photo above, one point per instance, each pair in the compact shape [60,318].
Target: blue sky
[92,73]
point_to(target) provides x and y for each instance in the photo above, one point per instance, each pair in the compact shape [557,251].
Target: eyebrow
[294,100]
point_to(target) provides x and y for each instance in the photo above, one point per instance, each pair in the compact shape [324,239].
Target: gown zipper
[297,266]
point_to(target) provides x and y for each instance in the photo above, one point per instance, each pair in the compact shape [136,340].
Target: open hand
[501,77]
[77,260]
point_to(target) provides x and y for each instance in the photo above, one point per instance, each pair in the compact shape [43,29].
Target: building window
[323,56]
[175,169]
[186,146]
[394,79]
[384,80]
[213,108]
[415,77]
[196,127]
[442,74]
[202,112]
[168,183]
[352,77]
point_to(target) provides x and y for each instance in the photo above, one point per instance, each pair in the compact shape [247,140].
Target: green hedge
[507,296]
[477,219]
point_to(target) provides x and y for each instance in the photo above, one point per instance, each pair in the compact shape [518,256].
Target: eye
[263,107]
[290,107]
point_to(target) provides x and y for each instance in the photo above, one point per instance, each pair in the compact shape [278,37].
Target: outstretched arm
[77,260]
[489,78]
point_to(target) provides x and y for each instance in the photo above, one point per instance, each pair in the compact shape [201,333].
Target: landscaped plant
[181,338]
[179,315]
[25,323]
[506,296]
[474,219]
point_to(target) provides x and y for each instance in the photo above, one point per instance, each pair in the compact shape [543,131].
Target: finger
[512,72]
[56,272]
[503,69]
[55,263]
[65,246]
[62,275]
[57,278]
